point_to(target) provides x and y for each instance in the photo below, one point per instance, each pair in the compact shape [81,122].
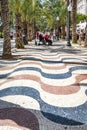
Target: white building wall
[82,6]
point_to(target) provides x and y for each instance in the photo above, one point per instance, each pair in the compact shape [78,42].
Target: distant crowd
[46,38]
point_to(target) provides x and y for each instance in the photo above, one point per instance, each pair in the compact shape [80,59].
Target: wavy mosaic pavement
[44,90]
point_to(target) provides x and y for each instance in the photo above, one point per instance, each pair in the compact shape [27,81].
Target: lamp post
[57,19]
[69,8]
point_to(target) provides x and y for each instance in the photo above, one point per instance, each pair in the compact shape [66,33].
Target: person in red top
[47,38]
[37,34]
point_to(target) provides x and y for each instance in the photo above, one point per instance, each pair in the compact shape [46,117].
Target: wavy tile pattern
[45,86]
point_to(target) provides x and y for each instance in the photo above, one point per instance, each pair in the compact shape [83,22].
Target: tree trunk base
[7,57]
[20,46]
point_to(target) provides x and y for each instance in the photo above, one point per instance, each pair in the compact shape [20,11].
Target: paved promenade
[45,88]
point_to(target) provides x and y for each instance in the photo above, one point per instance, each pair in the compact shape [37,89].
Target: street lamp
[57,19]
[69,9]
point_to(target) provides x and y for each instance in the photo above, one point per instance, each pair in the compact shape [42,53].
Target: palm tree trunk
[25,31]
[29,31]
[6,30]
[18,29]
[85,44]
[74,10]
[63,31]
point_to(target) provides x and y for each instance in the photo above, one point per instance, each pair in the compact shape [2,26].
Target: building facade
[82,7]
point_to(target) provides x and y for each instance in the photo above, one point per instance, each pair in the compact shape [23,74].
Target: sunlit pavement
[45,88]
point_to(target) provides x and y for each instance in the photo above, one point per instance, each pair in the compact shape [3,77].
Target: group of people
[46,38]
[43,38]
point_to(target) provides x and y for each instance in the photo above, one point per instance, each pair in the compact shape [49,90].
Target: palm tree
[74,10]
[6,30]
[33,8]
[18,29]
[15,6]
[85,44]
[26,16]
[52,9]
[24,22]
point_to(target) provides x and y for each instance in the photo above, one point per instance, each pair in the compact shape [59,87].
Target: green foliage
[14,8]
[20,46]
[1,34]
[56,8]
[81,17]
[15,5]
[49,11]
[26,10]
[44,13]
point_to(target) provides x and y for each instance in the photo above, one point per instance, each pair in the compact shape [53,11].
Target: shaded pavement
[45,88]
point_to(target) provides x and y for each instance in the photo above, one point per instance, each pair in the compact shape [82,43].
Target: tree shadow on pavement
[66,50]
